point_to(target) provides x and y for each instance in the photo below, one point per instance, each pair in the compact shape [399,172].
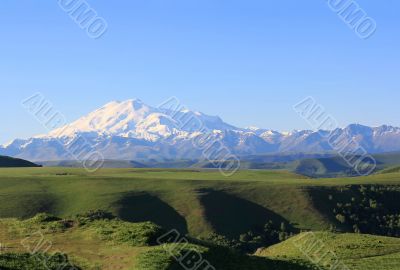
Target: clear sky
[246,61]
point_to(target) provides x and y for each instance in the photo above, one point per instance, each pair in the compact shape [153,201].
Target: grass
[133,234]
[104,243]
[35,262]
[196,202]
[220,258]
[132,194]
[112,230]
[356,251]
[181,199]
[91,243]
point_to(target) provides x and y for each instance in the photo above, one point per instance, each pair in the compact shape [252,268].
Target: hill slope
[15,162]
[97,240]
[200,202]
[248,210]
[325,166]
[356,251]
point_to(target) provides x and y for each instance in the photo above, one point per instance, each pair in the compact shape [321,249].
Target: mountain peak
[133,101]
[131,129]
[134,119]
[354,129]
[129,103]
[116,117]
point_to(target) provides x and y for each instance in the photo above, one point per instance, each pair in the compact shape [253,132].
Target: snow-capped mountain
[134,119]
[132,130]
[115,118]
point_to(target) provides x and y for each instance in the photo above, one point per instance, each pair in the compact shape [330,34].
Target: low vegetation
[37,261]
[141,241]
[225,219]
[217,257]
[348,251]
[372,209]
[98,223]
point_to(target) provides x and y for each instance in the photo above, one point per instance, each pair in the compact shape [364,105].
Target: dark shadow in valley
[141,207]
[27,205]
[232,216]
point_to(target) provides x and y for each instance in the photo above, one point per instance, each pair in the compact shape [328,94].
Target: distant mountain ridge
[132,130]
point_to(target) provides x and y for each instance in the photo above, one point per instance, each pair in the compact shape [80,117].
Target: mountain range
[132,130]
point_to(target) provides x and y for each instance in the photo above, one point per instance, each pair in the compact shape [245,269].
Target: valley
[199,135]
[245,213]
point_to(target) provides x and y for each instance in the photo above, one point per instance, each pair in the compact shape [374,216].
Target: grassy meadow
[250,210]
[355,251]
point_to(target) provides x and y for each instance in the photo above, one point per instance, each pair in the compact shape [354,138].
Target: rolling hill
[15,162]
[244,212]
[336,166]
[187,199]
[346,251]
[96,240]
[320,166]
[311,165]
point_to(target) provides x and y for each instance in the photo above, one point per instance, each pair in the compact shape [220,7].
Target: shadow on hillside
[225,259]
[141,207]
[26,205]
[232,216]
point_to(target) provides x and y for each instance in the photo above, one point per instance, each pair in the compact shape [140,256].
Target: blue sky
[246,61]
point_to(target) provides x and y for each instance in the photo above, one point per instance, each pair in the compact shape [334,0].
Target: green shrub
[94,215]
[45,223]
[133,234]
[37,261]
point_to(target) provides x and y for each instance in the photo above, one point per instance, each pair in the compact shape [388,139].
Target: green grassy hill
[26,261]
[333,166]
[99,241]
[15,162]
[337,167]
[198,202]
[141,194]
[394,169]
[311,165]
[248,210]
[106,164]
[355,251]
[320,166]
